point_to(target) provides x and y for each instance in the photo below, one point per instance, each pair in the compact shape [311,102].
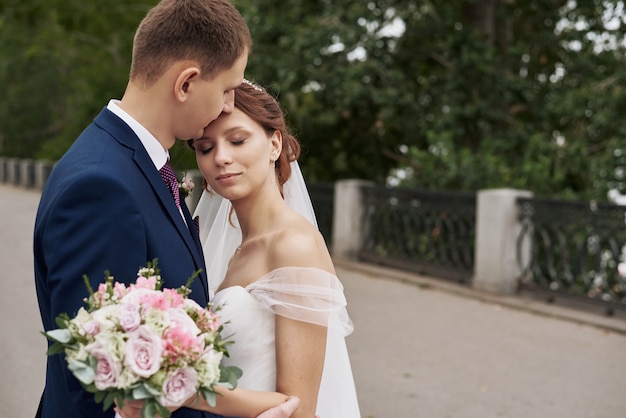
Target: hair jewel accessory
[253,85]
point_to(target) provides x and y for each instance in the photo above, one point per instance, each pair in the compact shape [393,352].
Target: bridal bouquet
[141,342]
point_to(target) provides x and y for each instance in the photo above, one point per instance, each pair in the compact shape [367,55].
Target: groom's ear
[184,82]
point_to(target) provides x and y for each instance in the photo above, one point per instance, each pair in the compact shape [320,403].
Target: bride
[267,262]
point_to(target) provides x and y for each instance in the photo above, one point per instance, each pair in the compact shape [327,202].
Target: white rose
[209,367]
[180,319]
[113,342]
[157,320]
[108,317]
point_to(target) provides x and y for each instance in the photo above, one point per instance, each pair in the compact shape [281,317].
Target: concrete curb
[524,303]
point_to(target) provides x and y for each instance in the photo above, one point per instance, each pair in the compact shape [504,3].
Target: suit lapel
[160,188]
[194,233]
[123,134]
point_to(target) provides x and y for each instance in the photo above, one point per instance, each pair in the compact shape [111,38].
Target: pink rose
[135,294]
[129,317]
[108,369]
[179,318]
[155,300]
[179,386]
[180,342]
[143,352]
[146,282]
[163,300]
[120,290]
[181,339]
[176,299]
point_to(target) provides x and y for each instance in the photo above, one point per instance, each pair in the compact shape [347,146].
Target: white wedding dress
[304,294]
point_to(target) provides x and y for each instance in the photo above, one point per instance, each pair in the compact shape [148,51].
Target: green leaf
[119,398]
[148,410]
[99,396]
[62,320]
[91,388]
[229,376]
[56,348]
[144,391]
[163,411]
[108,400]
[88,285]
[209,395]
[83,372]
[63,336]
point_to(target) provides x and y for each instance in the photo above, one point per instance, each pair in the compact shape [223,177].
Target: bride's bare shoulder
[300,244]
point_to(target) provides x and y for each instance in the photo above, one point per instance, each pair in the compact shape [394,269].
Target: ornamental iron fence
[423,231]
[577,251]
[572,251]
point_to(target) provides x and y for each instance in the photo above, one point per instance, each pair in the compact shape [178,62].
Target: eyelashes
[207,149]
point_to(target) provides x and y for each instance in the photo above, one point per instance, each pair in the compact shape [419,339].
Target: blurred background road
[421,348]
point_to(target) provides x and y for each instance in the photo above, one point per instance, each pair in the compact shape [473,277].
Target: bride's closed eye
[204,149]
[238,141]
[203,146]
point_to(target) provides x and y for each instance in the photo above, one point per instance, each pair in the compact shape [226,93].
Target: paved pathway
[431,350]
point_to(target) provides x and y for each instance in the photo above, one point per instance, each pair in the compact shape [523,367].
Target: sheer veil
[220,234]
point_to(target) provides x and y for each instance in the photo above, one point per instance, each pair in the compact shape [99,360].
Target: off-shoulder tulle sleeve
[304,294]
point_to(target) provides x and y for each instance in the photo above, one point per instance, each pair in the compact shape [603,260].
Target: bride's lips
[227,177]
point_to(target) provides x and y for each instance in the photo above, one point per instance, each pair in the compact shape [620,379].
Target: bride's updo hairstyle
[261,107]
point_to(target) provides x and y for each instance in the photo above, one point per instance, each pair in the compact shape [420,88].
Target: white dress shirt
[156,152]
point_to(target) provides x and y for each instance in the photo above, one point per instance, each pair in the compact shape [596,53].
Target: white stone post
[497,230]
[13,171]
[348,227]
[43,168]
[27,173]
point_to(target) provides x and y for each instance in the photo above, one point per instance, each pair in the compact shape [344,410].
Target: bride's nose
[222,155]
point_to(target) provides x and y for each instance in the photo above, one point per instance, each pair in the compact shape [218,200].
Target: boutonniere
[186,186]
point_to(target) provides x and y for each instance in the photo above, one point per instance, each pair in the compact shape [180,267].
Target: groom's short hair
[210,32]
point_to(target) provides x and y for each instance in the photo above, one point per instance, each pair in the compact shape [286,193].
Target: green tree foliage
[471,94]
[60,61]
[303,53]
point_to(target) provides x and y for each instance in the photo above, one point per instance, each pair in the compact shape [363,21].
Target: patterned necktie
[169,177]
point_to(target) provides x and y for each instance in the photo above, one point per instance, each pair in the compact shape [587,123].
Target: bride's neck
[258,217]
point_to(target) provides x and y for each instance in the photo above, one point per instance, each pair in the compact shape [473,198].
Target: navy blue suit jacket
[105,207]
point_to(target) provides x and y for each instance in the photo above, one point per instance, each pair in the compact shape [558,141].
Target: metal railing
[575,250]
[566,250]
[422,231]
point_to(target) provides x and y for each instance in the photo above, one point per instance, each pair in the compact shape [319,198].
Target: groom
[106,205]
